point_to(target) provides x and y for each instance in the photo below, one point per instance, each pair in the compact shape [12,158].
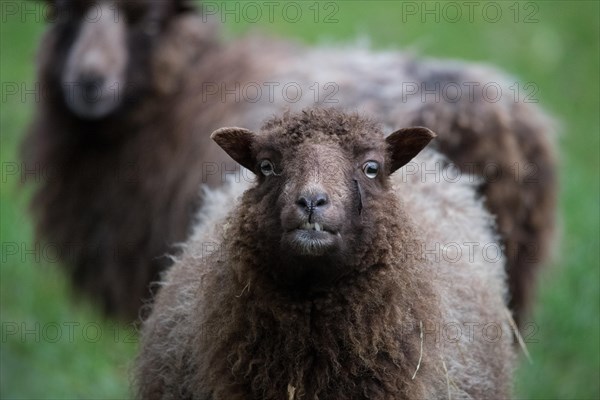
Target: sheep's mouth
[312,239]
[91,104]
[317,227]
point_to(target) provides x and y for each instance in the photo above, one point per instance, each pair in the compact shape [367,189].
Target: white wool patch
[335,77]
[444,201]
[466,263]
[216,205]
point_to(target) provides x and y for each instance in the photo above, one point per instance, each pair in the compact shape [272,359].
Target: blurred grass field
[55,346]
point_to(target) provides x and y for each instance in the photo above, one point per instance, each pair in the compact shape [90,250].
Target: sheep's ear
[405,144]
[237,142]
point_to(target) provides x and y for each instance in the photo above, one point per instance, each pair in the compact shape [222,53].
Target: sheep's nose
[311,203]
[91,86]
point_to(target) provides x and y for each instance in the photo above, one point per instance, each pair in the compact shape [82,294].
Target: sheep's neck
[356,336]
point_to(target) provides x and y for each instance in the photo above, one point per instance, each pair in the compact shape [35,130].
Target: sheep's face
[314,195]
[100,52]
[321,190]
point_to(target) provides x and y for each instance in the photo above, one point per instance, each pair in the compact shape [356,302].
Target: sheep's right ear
[237,142]
[405,144]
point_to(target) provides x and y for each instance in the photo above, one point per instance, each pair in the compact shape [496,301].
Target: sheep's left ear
[237,142]
[405,144]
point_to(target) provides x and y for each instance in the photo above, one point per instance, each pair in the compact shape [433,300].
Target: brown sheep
[321,281]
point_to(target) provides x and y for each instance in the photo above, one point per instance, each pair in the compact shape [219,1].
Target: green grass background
[557,48]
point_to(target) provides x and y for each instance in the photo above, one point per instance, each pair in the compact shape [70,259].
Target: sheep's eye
[267,168]
[371,168]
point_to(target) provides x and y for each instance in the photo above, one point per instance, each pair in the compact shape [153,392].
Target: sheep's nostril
[303,202]
[320,200]
[311,202]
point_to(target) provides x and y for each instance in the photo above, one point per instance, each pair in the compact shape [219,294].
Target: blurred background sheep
[122,130]
[548,47]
